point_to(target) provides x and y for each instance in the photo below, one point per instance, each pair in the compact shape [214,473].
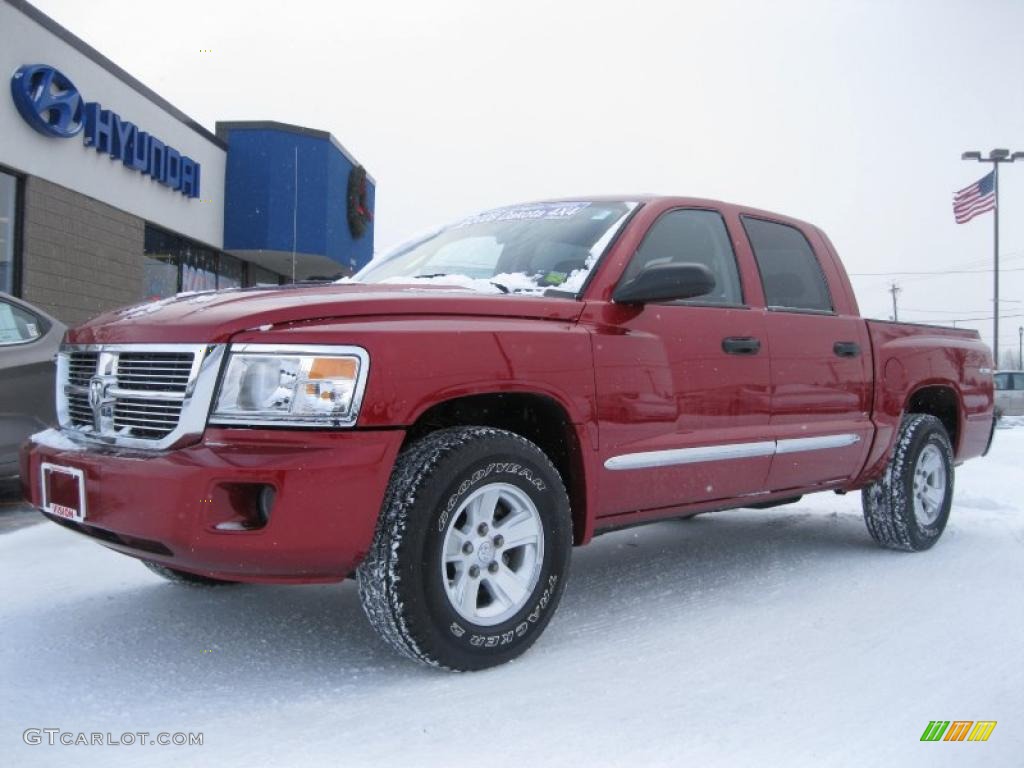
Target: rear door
[820,359]
[683,401]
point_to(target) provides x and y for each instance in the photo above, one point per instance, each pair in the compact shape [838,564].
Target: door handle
[846,349]
[741,345]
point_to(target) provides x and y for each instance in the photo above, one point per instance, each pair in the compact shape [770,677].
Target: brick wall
[80,256]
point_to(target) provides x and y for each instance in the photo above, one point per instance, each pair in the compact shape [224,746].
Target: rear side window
[695,237]
[18,326]
[1018,381]
[790,272]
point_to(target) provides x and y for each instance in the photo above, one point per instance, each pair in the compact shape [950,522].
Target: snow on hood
[149,307]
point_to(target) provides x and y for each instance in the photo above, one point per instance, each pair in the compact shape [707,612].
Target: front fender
[418,362]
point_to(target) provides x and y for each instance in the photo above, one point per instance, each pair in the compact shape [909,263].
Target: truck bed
[950,367]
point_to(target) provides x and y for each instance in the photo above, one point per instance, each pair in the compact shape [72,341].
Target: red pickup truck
[451,422]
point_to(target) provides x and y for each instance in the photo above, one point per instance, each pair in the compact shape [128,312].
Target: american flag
[976,199]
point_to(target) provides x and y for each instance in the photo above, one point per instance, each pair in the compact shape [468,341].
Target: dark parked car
[29,339]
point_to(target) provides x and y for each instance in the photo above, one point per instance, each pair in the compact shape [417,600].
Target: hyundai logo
[48,100]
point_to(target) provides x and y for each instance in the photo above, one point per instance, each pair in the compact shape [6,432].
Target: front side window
[692,237]
[524,249]
[790,272]
[8,213]
[1002,381]
[18,326]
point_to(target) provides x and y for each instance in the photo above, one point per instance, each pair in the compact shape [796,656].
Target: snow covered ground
[775,637]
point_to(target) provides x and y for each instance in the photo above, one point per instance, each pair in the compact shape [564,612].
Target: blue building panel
[286,189]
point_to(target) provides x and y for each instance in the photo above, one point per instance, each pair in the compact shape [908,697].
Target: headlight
[291,384]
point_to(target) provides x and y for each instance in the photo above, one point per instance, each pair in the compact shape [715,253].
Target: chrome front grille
[81,368]
[138,395]
[154,371]
[144,418]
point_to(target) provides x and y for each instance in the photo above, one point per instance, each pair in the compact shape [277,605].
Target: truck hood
[214,316]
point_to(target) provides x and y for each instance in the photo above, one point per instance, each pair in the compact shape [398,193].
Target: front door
[682,387]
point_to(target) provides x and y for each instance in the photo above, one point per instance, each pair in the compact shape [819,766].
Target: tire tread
[378,575]
[888,513]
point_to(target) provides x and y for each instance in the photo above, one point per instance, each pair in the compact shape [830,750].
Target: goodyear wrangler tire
[471,551]
[908,506]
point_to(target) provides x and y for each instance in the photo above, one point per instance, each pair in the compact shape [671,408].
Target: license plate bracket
[63,491]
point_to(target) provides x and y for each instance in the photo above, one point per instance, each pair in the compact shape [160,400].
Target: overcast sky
[851,115]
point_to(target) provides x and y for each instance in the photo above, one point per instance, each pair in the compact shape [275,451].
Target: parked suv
[1009,386]
[452,422]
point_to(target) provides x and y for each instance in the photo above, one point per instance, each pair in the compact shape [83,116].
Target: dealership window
[174,263]
[260,276]
[198,268]
[230,272]
[8,233]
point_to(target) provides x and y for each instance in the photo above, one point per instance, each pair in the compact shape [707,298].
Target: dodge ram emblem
[101,404]
[97,392]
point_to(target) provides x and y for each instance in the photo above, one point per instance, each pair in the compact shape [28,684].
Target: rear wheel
[184,577]
[908,507]
[471,551]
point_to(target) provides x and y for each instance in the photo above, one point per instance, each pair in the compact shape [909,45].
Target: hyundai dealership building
[110,195]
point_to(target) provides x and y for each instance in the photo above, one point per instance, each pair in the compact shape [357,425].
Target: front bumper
[165,507]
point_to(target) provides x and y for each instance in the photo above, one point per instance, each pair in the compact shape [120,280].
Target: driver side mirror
[666,282]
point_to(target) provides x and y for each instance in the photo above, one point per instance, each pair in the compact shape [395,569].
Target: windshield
[523,249]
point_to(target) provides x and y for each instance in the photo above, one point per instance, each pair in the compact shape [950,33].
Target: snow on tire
[471,551]
[908,506]
[184,577]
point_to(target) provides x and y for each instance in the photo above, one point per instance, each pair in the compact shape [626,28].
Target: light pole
[996,156]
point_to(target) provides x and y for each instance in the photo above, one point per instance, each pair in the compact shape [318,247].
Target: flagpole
[995,157]
[995,287]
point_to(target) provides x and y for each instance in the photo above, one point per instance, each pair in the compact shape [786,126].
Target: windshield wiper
[499,286]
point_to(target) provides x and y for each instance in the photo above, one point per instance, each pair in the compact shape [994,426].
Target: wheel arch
[941,400]
[540,418]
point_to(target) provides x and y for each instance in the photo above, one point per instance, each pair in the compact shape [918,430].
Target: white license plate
[63,491]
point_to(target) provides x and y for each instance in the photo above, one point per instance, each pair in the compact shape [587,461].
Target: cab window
[790,272]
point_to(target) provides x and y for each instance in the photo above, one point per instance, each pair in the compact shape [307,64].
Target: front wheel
[908,506]
[471,551]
